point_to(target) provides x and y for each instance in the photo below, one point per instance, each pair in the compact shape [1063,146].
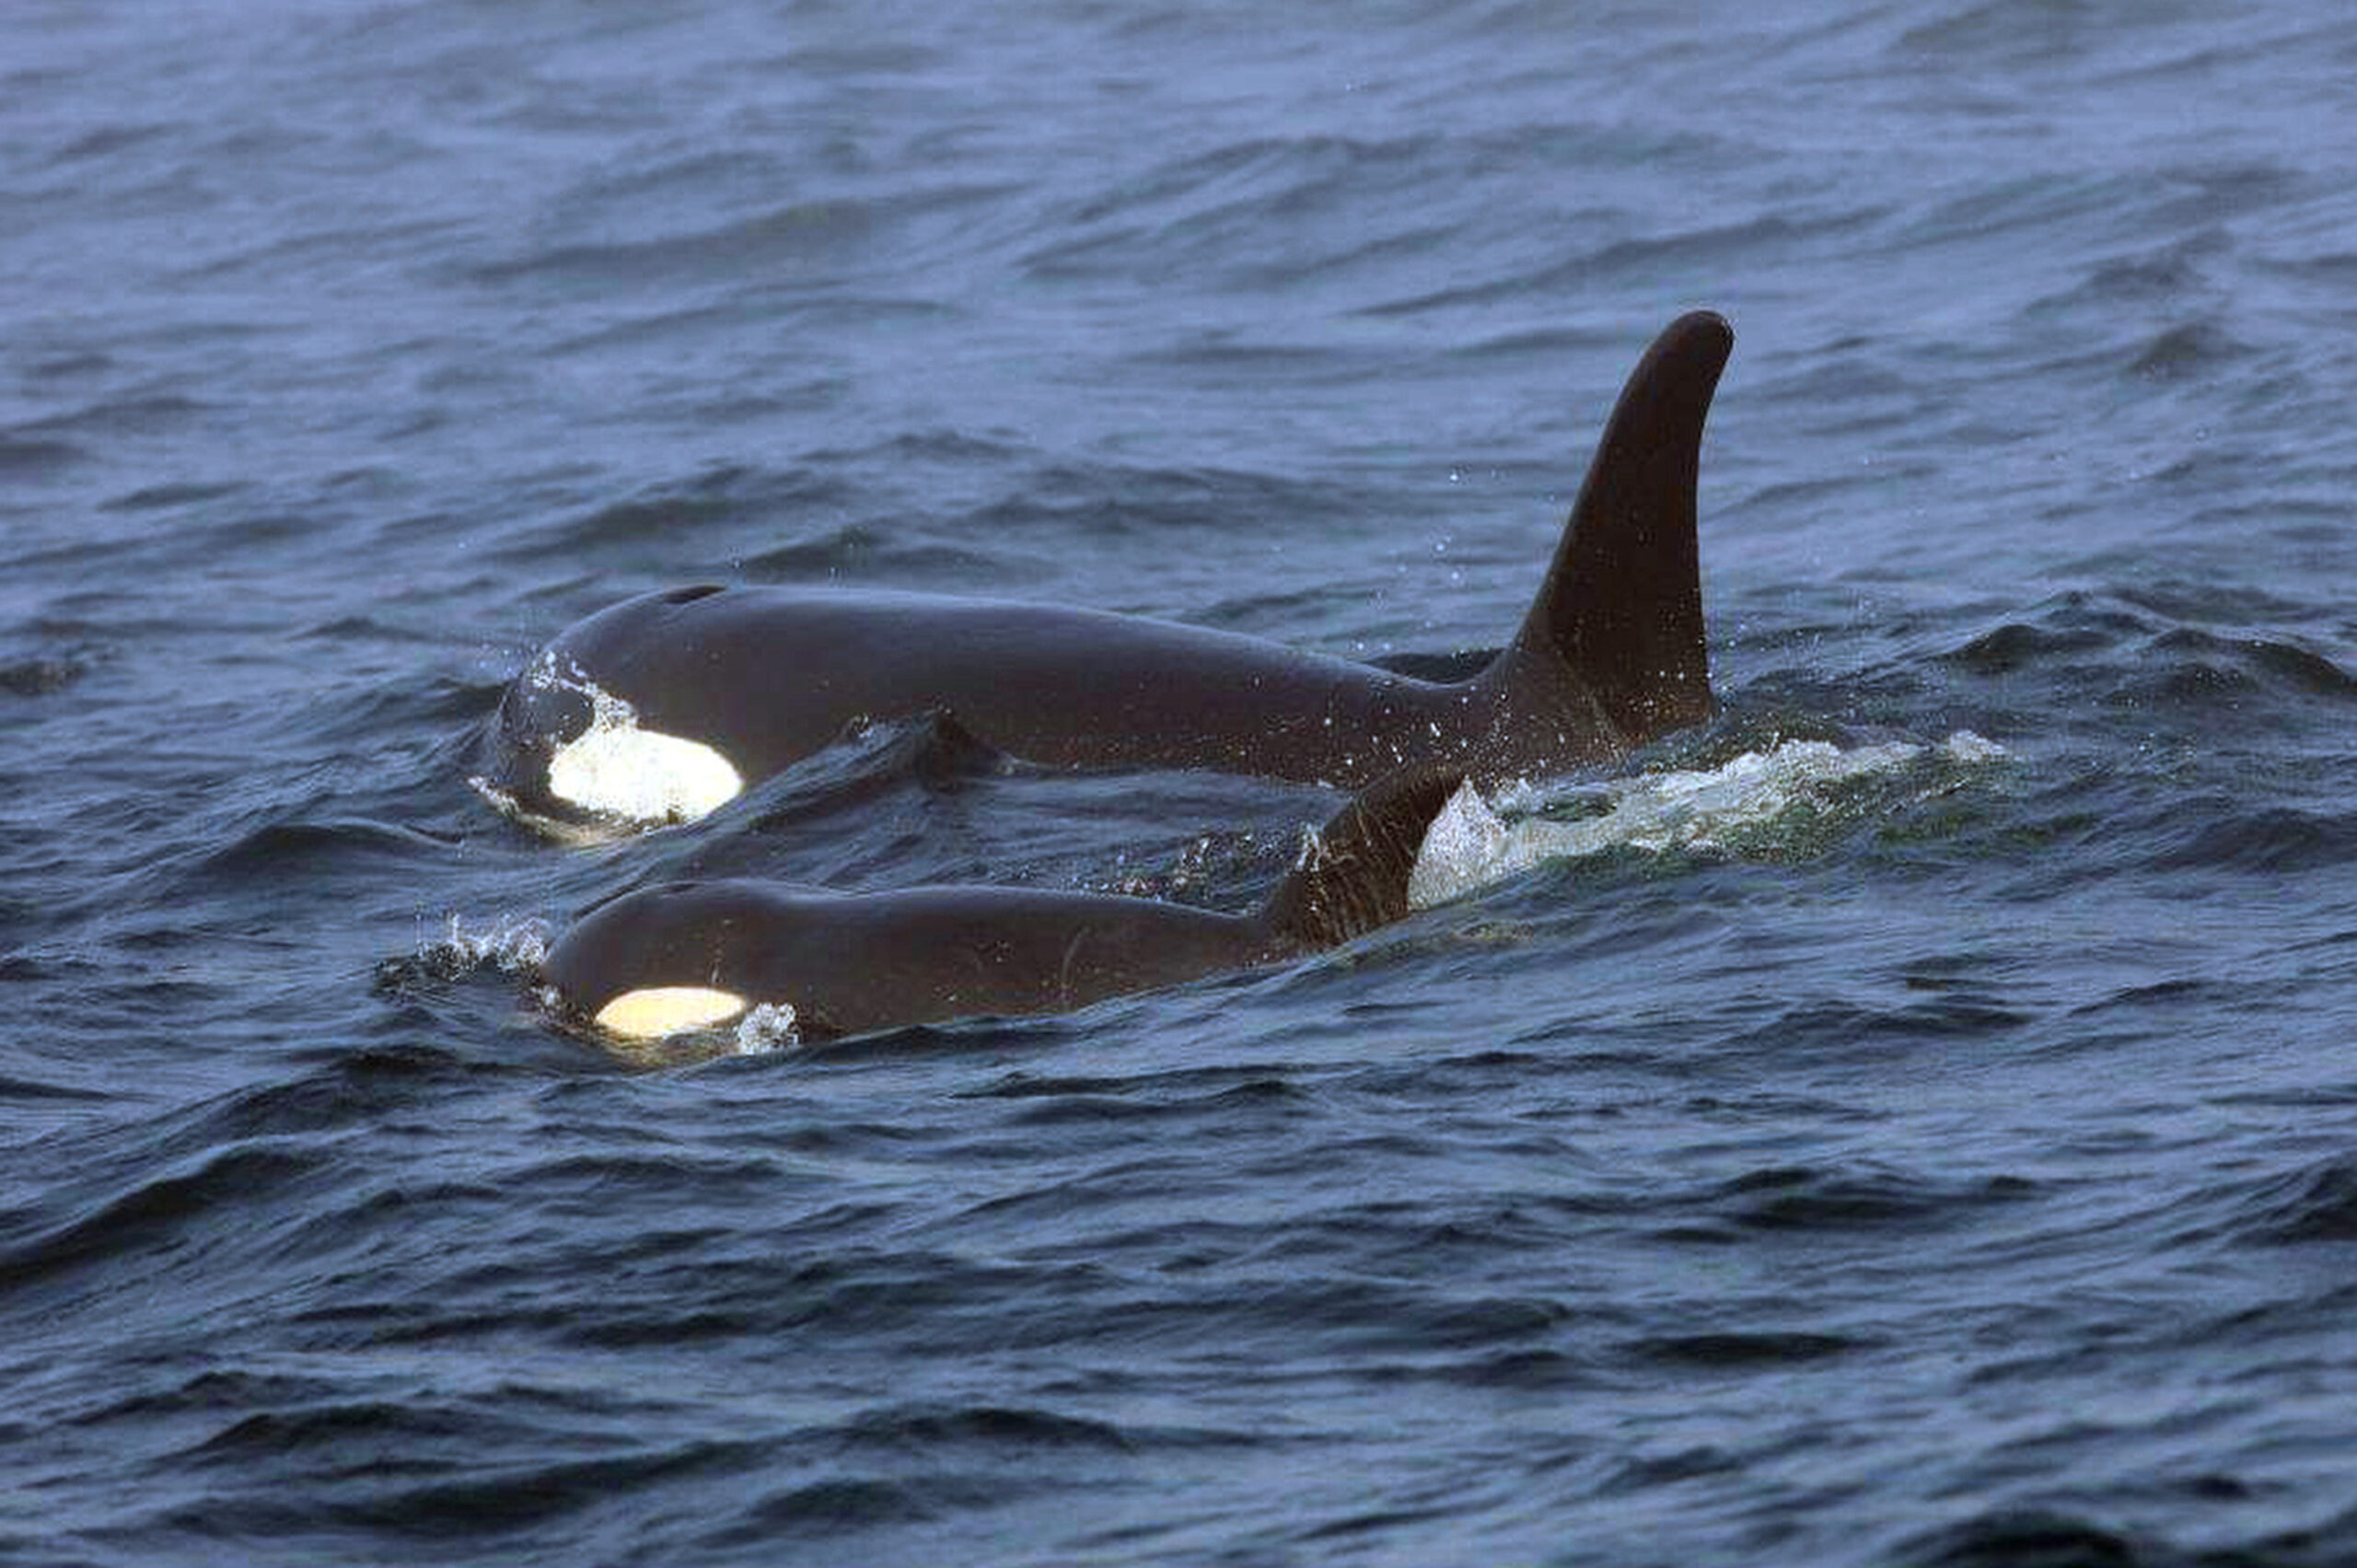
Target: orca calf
[683,956]
[666,706]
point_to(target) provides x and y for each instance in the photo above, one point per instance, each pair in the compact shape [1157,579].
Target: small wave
[38,677]
[2010,1537]
[268,852]
[981,1426]
[346,1088]
[2065,632]
[863,551]
[20,1091]
[724,496]
[1470,844]
[2273,840]
[1673,249]
[2252,660]
[2315,1204]
[159,413]
[1724,1349]
[184,1202]
[1863,1198]
[2185,650]
[823,236]
[2183,353]
[851,1503]
[25,458]
[168,497]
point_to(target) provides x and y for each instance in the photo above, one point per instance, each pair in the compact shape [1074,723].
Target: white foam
[1461,846]
[1966,747]
[766,1026]
[1470,844]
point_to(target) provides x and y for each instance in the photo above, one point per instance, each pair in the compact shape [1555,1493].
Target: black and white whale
[678,957]
[664,706]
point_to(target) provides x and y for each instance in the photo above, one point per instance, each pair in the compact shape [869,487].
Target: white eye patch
[642,774]
[655,1012]
[616,769]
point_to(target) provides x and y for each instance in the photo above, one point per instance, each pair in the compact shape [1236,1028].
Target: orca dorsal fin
[1621,607]
[1353,874]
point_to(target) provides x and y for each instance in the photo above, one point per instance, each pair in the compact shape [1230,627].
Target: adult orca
[683,956]
[664,706]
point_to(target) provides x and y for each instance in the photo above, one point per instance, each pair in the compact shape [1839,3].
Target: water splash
[767,1027]
[1470,844]
[515,947]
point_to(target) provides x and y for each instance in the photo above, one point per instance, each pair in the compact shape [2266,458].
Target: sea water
[1823,1145]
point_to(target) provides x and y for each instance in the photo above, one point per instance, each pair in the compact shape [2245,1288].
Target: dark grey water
[1958,1166]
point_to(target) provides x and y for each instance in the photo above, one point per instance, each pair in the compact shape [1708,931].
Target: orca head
[569,756]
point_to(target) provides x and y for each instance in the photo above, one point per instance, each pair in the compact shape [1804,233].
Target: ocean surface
[1910,1120]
